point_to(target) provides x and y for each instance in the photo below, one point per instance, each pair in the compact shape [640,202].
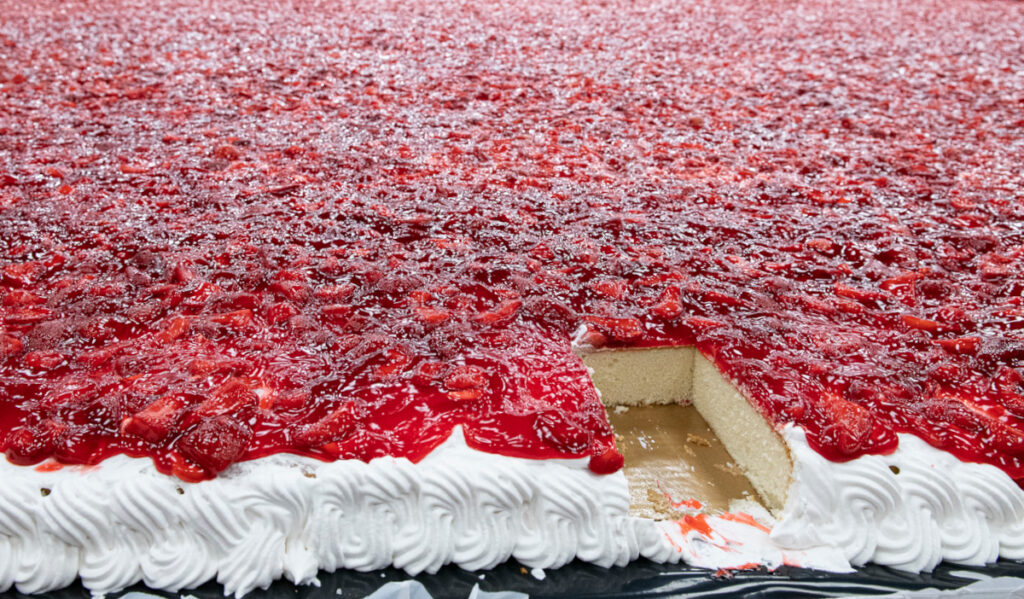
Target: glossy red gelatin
[342,231]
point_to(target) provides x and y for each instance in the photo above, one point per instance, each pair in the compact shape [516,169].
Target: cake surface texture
[371,248]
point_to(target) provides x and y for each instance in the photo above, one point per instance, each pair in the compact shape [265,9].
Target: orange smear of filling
[697,523]
[745,519]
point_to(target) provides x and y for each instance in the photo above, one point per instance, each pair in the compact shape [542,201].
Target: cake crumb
[523,570]
[538,573]
[697,440]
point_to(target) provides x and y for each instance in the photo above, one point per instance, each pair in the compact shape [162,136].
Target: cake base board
[672,456]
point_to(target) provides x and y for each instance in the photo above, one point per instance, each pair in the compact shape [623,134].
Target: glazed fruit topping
[344,231]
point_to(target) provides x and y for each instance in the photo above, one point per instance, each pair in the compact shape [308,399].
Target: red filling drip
[341,232]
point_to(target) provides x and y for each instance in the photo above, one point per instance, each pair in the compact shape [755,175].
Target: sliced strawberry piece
[822,244]
[420,296]
[852,424]
[157,420]
[233,397]
[22,274]
[432,315]
[293,291]
[506,311]
[27,316]
[615,289]
[1006,438]
[237,320]
[465,394]
[669,305]
[31,445]
[44,359]
[699,323]
[227,152]
[466,376]
[921,324]
[21,297]
[9,346]
[336,313]
[555,429]
[99,356]
[396,361]
[606,460]
[280,312]
[216,443]
[206,367]
[961,345]
[288,400]
[175,328]
[428,372]
[184,272]
[1013,402]
[335,293]
[622,329]
[860,295]
[339,424]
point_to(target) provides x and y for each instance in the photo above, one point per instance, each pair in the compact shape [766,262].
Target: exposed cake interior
[682,375]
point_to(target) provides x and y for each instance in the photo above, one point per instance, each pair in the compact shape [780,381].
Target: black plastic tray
[641,579]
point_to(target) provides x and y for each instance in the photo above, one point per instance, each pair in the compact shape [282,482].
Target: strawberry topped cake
[324,286]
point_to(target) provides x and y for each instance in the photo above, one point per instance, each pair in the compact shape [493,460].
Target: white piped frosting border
[289,516]
[909,510]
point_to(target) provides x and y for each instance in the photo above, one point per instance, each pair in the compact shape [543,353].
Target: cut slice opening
[685,430]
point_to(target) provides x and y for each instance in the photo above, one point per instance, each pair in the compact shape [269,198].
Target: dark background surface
[640,579]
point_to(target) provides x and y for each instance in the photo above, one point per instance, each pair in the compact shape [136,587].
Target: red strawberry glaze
[340,231]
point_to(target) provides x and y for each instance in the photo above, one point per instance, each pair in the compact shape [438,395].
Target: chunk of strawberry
[860,295]
[22,274]
[921,324]
[623,329]
[157,420]
[554,428]
[27,316]
[506,311]
[176,327]
[432,315]
[33,444]
[466,376]
[669,305]
[215,443]
[395,362]
[233,397]
[961,345]
[428,372]
[339,424]
[337,313]
[615,289]
[293,291]
[605,460]
[237,320]
[44,359]
[851,424]
[280,312]
[335,293]
[9,346]
[21,297]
